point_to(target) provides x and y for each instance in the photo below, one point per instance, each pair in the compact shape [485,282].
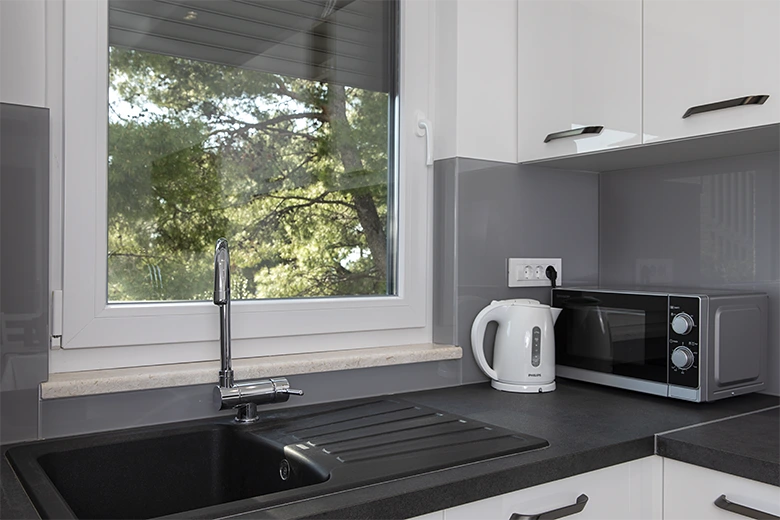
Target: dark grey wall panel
[444,243]
[504,210]
[24,267]
[71,416]
[713,223]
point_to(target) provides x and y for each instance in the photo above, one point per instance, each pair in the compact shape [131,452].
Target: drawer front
[608,491]
[690,493]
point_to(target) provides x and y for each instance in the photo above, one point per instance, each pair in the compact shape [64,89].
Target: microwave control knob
[682,324]
[682,358]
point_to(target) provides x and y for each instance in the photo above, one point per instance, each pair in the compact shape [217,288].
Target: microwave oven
[692,344]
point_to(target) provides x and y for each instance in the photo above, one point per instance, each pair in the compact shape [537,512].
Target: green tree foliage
[294,173]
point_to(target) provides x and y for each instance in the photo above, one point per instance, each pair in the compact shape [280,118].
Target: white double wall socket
[531,272]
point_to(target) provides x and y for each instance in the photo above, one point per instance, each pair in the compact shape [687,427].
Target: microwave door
[614,334]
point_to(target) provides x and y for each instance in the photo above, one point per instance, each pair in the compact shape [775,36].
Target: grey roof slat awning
[350,45]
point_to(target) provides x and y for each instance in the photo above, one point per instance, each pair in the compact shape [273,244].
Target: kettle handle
[486,315]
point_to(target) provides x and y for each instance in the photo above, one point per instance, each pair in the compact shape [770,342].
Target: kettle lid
[520,302]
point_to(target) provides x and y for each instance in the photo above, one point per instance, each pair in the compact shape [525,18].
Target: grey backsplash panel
[444,276]
[713,223]
[500,211]
[24,267]
[76,415]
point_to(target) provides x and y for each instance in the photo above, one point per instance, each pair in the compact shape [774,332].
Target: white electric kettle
[524,352]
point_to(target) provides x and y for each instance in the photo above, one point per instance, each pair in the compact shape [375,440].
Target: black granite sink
[216,468]
[159,473]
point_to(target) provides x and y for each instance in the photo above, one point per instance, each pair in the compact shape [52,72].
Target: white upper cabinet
[579,76]
[709,54]
[475,68]
[23,53]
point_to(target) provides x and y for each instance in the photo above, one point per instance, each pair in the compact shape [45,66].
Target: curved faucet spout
[222,299]
[245,395]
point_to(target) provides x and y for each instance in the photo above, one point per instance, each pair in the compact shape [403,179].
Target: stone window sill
[92,382]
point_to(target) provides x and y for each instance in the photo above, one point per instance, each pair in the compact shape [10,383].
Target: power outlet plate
[530,272]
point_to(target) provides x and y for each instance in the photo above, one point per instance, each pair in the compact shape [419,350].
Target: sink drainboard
[211,469]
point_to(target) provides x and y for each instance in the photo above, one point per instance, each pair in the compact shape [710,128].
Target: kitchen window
[287,127]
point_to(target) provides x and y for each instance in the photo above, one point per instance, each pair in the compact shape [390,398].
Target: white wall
[476,80]
[23,52]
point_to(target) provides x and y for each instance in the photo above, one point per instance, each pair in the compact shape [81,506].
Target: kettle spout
[555,313]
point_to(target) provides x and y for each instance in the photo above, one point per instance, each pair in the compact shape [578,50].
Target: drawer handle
[573,509]
[573,133]
[739,509]
[720,105]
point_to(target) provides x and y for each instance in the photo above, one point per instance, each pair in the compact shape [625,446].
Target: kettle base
[523,389]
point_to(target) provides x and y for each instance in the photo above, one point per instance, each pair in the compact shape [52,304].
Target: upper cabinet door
[708,64]
[579,76]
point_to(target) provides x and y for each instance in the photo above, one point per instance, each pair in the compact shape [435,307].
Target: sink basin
[148,476]
[217,469]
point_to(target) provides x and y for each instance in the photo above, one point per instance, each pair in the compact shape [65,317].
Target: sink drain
[284,469]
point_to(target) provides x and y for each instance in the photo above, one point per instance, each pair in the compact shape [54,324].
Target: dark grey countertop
[588,427]
[746,446]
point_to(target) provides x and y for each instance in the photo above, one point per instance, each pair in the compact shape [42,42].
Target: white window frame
[98,335]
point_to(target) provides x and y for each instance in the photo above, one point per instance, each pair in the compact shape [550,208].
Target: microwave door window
[628,330]
[627,340]
[644,357]
[595,334]
[583,337]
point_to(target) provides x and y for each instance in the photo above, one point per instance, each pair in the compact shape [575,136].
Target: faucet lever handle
[293,391]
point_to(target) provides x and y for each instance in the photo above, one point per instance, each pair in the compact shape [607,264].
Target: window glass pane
[270,123]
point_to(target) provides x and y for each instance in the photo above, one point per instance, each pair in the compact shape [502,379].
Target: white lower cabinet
[646,489]
[690,493]
[624,491]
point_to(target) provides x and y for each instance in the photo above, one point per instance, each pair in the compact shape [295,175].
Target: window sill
[73,384]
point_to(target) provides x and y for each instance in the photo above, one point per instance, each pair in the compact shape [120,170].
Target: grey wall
[486,212]
[713,223]
[24,267]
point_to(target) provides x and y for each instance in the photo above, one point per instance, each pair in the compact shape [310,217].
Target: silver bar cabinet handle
[574,133]
[729,103]
[573,509]
[723,503]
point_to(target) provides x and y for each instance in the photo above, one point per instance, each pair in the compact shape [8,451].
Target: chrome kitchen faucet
[244,396]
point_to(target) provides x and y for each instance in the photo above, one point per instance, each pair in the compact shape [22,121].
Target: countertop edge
[710,458]
[430,492]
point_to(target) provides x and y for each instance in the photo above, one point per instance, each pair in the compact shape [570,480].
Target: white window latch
[424,130]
